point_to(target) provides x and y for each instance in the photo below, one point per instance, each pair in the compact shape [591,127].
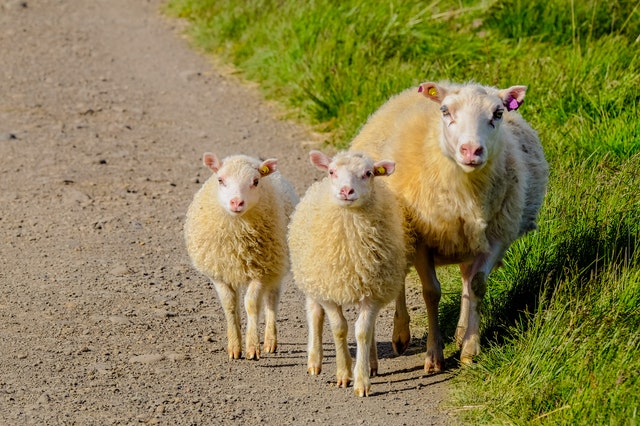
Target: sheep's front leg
[271,299]
[315,321]
[364,338]
[339,328]
[401,333]
[252,304]
[229,301]
[425,266]
[474,287]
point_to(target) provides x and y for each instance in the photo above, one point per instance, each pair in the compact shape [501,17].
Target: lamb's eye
[332,172]
[221,181]
[497,115]
[368,174]
[256,181]
[445,111]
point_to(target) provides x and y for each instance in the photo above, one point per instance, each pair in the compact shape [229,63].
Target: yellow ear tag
[264,170]
[381,170]
[432,91]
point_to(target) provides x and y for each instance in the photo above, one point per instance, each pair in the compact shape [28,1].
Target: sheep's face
[471,119]
[239,181]
[351,175]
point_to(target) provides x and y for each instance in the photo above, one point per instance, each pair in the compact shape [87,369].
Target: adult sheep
[235,232]
[347,245]
[472,176]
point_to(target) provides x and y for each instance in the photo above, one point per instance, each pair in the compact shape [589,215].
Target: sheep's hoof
[466,360]
[235,353]
[362,391]
[343,382]
[401,339]
[433,364]
[253,354]
[270,347]
[314,371]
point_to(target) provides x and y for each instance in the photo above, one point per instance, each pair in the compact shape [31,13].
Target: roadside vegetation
[562,316]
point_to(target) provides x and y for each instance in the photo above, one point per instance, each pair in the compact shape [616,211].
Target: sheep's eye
[256,181]
[332,172]
[368,174]
[497,115]
[221,182]
[445,111]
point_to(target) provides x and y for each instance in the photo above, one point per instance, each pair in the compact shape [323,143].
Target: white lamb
[347,245]
[472,176]
[235,233]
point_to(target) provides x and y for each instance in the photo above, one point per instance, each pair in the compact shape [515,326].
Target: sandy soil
[104,114]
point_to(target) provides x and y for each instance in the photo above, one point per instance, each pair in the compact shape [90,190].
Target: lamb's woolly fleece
[454,212]
[236,250]
[344,254]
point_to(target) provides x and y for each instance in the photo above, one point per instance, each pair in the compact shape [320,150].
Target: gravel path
[104,114]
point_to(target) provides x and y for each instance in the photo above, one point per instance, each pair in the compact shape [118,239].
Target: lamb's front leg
[253,304]
[229,301]
[364,338]
[339,328]
[315,322]
[425,266]
[271,298]
[401,333]
[474,287]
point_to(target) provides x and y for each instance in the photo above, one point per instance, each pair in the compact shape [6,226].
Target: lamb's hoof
[361,391]
[373,372]
[235,353]
[400,340]
[314,371]
[466,360]
[270,347]
[343,382]
[253,354]
[433,363]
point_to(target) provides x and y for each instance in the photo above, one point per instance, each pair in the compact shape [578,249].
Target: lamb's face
[351,175]
[471,118]
[239,181]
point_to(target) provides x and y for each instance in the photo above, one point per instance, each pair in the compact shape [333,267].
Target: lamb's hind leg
[315,321]
[339,328]
[474,286]
[229,301]
[401,333]
[425,266]
[364,338]
[252,304]
[271,299]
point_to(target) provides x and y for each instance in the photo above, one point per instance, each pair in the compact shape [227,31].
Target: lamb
[347,244]
[235,233]
[472,177]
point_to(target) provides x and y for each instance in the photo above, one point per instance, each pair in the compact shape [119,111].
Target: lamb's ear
[433,91]
[513,97]
[211,161]
[268,166]
[320,160]
[384,168]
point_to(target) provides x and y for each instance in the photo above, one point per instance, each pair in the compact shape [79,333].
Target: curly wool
[453,212]
[345,254]
[237,250]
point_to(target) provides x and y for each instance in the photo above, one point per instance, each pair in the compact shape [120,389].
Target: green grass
[560,323]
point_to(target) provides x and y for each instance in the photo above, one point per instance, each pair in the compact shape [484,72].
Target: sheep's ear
[384,168]
[268,166]
[432,91]
[320,160]
[513,97]
[211,161]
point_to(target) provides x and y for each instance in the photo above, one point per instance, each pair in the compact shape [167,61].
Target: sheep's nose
[346,192]
[236,204]
[471,152]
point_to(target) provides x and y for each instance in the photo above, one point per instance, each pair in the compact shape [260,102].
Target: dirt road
[104,114]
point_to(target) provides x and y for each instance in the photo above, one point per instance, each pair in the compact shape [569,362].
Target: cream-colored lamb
[472,176]
[347,245]
[235,233]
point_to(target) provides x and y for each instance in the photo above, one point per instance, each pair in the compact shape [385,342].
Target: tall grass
[561,317]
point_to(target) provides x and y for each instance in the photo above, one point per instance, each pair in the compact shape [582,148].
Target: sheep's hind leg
[252,304]
[339,328]
[364,337]
[425,266]
[229,301]
[401,334]
[271,298]
[315,321]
